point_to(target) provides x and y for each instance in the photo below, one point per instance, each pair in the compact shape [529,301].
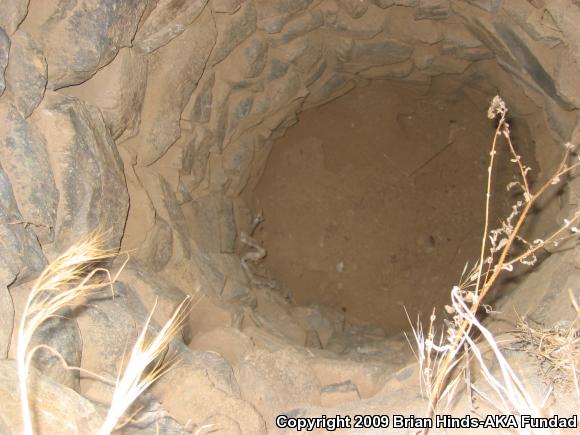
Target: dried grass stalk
[68,279]
[145,365]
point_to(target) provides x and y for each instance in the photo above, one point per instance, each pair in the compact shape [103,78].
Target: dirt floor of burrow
[374,202]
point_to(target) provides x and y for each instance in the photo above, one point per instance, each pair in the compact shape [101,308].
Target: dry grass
[137,377]
[557,349]
[66,282]
[439,361]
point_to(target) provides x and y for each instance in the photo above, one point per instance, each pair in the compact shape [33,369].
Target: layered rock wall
[153,120]
[189,95]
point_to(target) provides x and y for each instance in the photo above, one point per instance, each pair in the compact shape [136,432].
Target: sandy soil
[374,202]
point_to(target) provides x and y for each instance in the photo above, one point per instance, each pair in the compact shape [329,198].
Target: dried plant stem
[484,280]
[488,199]
[511,391]
[517,159]
[554,236]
